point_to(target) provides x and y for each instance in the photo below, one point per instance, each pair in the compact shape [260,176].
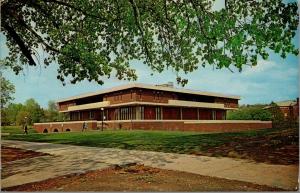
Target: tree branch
[24,48]
[137,21]
[75,8]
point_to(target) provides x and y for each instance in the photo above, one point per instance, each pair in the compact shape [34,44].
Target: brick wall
[63,106]
[64,126]
[142,95]
[169,125]
[189,113]
[123,96]
[220,114]
[145,125]
[205,114]
[227,127]
[172,113]
[228,103]
[201,126]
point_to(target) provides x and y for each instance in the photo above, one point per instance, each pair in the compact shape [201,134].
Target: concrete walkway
[66,159]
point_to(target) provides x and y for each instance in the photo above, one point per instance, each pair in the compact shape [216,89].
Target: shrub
[250,113]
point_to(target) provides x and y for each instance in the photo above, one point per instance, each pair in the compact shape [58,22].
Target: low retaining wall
[227,126]
[171,125]
[201,125]
[67,126]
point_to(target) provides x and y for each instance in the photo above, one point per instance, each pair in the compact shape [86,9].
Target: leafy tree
[96,39]
[4,118]
[35,111]
[7,90]
[23,117]
[250,113]
[52,114]
[9,114]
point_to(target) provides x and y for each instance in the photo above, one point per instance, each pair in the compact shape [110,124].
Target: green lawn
[16,129]
[165,141]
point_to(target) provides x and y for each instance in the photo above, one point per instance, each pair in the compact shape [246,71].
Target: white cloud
[262,66]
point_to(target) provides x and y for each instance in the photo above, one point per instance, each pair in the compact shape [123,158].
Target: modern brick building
[141,106]
[289,109]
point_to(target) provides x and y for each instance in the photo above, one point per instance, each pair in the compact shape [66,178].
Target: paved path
[66,159]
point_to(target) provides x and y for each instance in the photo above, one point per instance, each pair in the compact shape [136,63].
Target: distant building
[289,109]
[143,106]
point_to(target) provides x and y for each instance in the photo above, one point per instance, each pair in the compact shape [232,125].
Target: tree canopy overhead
[92,39]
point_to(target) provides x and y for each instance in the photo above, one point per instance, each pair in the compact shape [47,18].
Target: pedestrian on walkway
[25,129]
[84,126]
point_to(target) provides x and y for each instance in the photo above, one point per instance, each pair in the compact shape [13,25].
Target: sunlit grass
[164,141]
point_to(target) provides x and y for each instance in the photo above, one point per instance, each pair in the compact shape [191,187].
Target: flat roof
[148,86]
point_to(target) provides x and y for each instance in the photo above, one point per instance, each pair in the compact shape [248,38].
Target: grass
[16,130]
[164,141]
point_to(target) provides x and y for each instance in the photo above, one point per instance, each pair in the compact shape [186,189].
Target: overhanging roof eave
[146,86]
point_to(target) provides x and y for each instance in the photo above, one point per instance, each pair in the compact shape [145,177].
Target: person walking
[25,129]
[84,126]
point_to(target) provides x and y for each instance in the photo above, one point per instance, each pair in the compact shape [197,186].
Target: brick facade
[64,105]
[145,107]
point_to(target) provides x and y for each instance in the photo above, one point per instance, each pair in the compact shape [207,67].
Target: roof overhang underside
[146,86]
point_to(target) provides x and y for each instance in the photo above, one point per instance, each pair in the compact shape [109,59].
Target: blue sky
[274,79]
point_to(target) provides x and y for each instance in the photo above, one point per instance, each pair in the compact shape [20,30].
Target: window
[224,115]
[129,113]
[75,116]
[133,111]
[124,113]
[92,114]
[142,112]
[138,112]
[121,114]
[117,114]
[213,114]
[158,113]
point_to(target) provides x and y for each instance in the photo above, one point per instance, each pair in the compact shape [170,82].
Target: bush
[250,113]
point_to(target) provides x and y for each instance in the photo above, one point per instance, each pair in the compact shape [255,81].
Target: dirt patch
[9,154]
[138,178]
[280,147]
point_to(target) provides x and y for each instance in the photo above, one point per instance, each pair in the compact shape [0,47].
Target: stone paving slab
[71,159]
